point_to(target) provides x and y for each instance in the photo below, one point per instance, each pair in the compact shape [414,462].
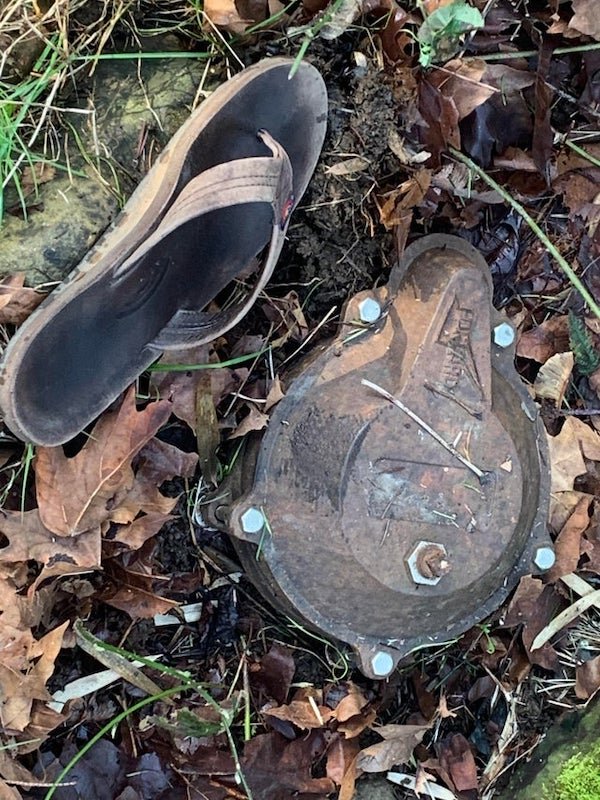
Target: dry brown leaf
[140,530]
[16,621]
[305,710]
[567,450]
[139,603]
[533,605]
[29,539]
[587,678]
[273,674]
[568,543]
[224,14]
[443,709]
[8,792]
[12,770]
[20,690]
[351,705]
[396,748]
[562,506]
[553,378]
[432,5]
[275,394]
[341,765]
[349,166]
[543,341]
[17,301]
[159,461]
[33,175]
[401,201]
[456,758]
[278,768]
[462,80]
[585,18]
[255,421]
[144,496]
[506,78]
[287,317]
[77,494]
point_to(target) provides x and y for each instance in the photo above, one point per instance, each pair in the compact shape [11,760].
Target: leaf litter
[104,531]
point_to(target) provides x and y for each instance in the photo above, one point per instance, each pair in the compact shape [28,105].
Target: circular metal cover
[375,532]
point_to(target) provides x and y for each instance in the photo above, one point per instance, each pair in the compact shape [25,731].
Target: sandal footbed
[91,339]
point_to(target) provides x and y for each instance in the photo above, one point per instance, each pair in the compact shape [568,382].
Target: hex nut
[252,520]
[382,664]
[423,553]
[544,558]
[504,334]
[369,310]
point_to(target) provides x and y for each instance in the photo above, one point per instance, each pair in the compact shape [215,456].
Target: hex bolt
[252,520]
[369,310]
[544,558]
[504,334]
[382,664]
[427,563]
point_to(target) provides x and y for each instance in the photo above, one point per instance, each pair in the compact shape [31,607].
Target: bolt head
[382,664]
[252,520]
[544,558]
[414,562]
[504,335]
[369,310]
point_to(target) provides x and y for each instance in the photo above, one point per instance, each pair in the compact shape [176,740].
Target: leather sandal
[219,197]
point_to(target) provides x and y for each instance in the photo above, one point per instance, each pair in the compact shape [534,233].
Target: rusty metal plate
[396,528]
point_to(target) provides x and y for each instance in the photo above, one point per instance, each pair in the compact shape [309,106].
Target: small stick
[422,424]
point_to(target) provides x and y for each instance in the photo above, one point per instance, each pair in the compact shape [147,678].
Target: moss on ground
[579,779]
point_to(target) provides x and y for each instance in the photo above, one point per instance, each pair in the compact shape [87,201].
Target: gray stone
[130,102]
[374,788]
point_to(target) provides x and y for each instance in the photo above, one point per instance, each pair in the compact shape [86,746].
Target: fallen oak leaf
[568,542]
[159,461]
[554,376]
[273,675]
[350,705]
[341,765]
[225,14]
[275,768]
[456,758]
[575,440]
[11,770]
[17,301]
[29,539]
[140,530]
[397,747]
[302,713]
[341,757]
[585,18]
[76,494]
[254,421]
[587,678]
[20,690]
[143,496]
[532,606]
[139,603]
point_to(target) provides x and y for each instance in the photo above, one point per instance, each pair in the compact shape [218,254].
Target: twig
[560,51]
[583,153]
[564,618]
[427,428]
[516,206]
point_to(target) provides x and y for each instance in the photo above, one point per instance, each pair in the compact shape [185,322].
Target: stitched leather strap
[247,180]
